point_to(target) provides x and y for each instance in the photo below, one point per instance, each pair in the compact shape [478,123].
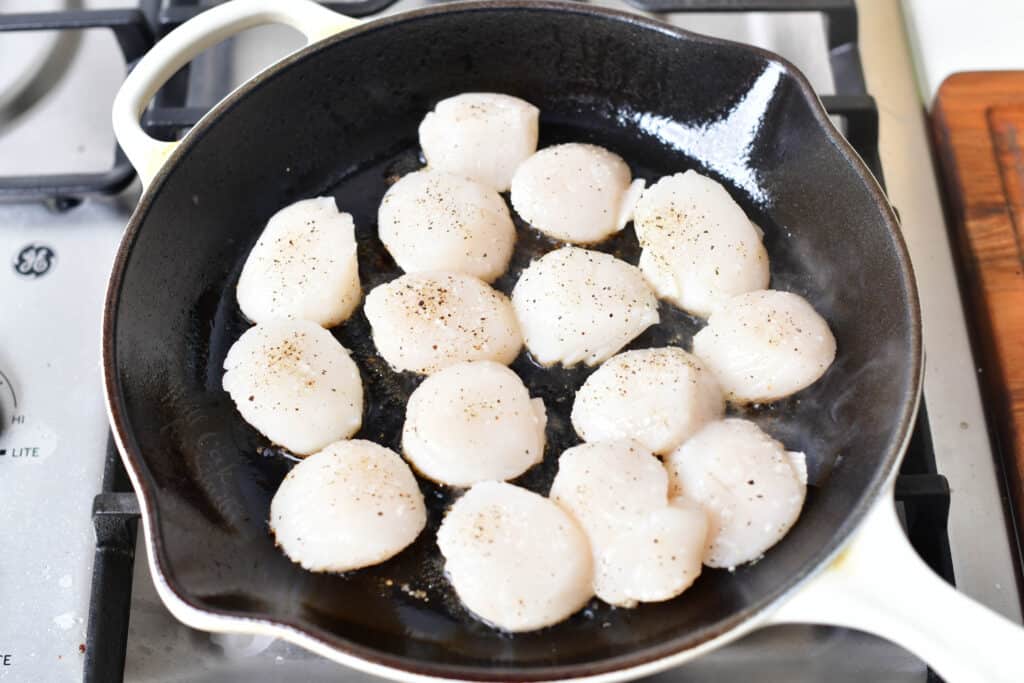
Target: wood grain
[978,121]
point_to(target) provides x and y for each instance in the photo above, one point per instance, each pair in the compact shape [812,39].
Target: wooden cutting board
[978,121]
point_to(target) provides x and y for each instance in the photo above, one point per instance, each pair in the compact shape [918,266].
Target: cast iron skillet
[340,117]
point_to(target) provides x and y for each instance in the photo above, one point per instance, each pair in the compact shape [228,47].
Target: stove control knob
[8,402]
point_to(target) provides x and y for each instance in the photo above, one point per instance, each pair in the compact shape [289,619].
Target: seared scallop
[430,220]
[579,305]
[609,487]
[303,266]
[479,135]
[473,422]
[765,345]
[657,396]
[645,550]
[294,383]
[514,558]
[699,247]
[423,322]
[351,505]
[655,561]
[751,488]
[574,192]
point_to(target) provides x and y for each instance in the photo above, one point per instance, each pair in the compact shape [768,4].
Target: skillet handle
[879,584]
[182,44]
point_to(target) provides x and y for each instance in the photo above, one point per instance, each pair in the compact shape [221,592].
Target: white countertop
[954,35]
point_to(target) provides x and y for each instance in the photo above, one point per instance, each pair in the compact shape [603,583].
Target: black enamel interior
[341,118]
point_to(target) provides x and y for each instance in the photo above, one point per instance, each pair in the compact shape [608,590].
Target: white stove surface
[53,269]
[53,430]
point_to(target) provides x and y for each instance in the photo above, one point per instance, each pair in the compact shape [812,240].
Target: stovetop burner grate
[170,115]
[136,31]
[134,36]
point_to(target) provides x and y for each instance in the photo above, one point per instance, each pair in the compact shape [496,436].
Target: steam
[829,418]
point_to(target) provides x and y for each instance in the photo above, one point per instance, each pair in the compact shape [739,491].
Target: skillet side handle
[184,43]
[879,584]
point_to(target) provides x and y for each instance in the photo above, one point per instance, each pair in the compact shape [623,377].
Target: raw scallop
[574,192]
[765,345]
[659,397]
[751,488]
[645,550]
[515,559]
[699,247]
[294,383]
[609,487]
[303,266]
[483,136]
[424,322]
[657,560]
[430,220]
[351,505]
[579,305]
[473,422]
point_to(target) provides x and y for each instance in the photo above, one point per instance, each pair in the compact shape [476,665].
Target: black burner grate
[170,116]
[115,514]
[135,36]
[136,31]
[922,494]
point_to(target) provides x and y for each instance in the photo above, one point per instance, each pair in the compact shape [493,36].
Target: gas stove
[76,599]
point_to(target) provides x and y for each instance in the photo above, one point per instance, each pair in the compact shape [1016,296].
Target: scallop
[656,561]
[430,220]
[609,487]
[483,136]
[699,247]
[658,397]
[765,345]
[303,266]
[574,192]
[424,322]
[751,488]
[645,549]
[514,558]
[473,422]
[579,305]
[352,505]
[294,383]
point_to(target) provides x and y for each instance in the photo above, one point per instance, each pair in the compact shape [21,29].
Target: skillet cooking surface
[341,119]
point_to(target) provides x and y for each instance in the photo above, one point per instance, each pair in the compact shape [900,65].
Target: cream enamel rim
[821,596]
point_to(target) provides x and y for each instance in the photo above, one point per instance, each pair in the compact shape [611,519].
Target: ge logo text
[35,260]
